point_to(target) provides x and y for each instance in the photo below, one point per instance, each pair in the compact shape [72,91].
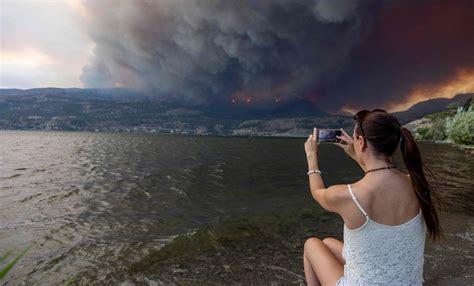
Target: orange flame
[276,93]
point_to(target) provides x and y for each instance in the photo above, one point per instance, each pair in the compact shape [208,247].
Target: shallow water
[93,205]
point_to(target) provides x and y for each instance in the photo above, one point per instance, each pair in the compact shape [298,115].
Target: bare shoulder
[337,196]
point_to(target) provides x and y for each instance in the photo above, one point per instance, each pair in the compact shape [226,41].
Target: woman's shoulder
[338,196]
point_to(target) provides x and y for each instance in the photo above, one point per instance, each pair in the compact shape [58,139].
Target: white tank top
[378,254]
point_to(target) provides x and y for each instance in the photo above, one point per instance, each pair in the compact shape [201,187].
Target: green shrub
[438,130]
[467,105]
[424,134]
[453,107]
[460,128]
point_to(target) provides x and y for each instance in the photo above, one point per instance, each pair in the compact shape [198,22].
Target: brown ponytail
[412,158]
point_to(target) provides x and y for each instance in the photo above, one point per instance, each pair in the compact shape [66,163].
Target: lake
[140,209]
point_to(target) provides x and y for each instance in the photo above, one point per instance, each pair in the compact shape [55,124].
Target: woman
[386,213]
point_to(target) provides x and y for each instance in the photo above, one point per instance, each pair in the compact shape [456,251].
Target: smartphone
[329,135]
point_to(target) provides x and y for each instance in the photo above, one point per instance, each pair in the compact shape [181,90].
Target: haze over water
[94,204]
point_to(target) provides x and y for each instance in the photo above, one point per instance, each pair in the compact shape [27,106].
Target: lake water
[103,208]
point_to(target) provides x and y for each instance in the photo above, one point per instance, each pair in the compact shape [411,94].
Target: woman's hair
[384,132]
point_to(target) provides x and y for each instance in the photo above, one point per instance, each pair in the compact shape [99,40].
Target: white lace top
[378,254]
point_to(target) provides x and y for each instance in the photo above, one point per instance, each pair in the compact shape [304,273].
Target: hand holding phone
[347,144]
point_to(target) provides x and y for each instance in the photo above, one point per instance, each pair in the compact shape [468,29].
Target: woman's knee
[335,246]
[331,241]
[311,244]
[323,262]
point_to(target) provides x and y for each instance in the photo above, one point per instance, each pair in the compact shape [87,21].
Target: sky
[333,54]
[43,43]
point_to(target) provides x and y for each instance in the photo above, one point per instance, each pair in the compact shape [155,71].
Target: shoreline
[159,134]
[467,148]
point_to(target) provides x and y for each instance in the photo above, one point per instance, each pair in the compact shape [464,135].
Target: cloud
[416,50]
[333,53]
[334,10]
[213,52]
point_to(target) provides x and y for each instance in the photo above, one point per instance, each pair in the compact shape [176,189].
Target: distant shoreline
[156,133]
[468,148]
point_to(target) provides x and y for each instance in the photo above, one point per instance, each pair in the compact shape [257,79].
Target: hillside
[423,108]
[451,125]
[124,110]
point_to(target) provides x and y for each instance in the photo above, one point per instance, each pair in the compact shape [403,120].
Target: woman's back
[381,253]
[388,198]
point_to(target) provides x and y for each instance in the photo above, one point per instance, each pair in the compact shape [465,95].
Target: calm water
[92,204]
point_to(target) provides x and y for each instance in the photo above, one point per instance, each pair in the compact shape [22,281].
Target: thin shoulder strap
[357,202]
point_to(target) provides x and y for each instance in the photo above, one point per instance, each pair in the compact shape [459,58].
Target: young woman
[386,213]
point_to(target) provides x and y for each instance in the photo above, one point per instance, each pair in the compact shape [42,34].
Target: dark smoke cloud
[412,44]
[330,52]
[204,52]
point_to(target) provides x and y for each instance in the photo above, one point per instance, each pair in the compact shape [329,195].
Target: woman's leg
[321,267]
[335,246]
[309,274]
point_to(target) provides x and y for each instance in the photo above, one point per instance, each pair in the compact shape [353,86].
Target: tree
[453,107]
[466,105]
[460,128]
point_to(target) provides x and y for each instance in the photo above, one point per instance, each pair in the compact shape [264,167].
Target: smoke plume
[332,53]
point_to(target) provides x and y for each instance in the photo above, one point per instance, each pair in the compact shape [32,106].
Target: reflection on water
[96,203]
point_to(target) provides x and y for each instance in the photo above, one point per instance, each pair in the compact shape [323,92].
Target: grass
[4,271]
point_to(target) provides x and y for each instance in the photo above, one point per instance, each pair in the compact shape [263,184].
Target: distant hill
[79,93]
[429,106]
[295,108]
[125,110]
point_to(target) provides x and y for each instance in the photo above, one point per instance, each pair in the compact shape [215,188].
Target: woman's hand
[348,145]
[311,148]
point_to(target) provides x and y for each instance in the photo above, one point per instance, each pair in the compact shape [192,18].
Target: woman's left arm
[316,184]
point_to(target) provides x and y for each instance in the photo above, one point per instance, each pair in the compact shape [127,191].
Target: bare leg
[320,265]
[311,278]
[335,246]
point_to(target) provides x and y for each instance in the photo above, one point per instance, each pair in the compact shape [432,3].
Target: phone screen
[328,135]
